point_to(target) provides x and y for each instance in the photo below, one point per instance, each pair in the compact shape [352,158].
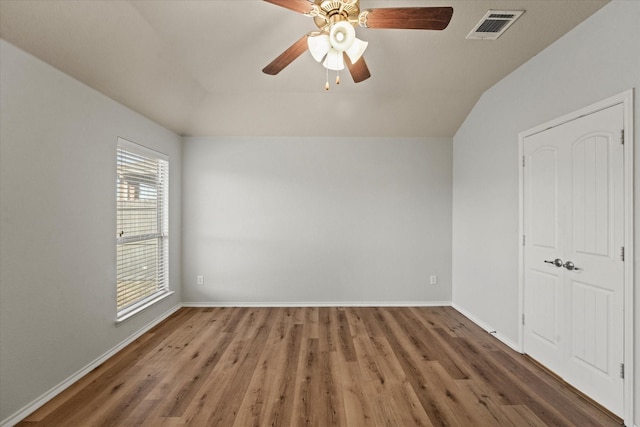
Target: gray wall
[598,59]
[57,225]
[317,220]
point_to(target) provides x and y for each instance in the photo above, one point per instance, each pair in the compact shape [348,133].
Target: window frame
[161,235]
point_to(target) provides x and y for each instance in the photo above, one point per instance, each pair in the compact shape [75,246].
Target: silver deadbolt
[557,262]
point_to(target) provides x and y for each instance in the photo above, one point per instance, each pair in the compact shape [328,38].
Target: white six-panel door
[573,266]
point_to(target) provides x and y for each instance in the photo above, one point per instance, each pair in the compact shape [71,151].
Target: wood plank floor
[243,367]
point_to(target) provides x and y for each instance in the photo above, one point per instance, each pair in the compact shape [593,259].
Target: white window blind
[142,226]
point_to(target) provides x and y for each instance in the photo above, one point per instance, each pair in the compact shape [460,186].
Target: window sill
[136,309]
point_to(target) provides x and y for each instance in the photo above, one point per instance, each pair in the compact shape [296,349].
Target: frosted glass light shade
[318,46]
[334,60]
[356,50]
[342,35]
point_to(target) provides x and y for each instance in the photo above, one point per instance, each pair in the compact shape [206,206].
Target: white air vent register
[493,24]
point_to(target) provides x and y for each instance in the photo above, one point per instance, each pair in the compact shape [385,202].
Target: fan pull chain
[326,85]
[337,77]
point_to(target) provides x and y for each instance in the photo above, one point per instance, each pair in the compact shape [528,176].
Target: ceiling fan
[335,44]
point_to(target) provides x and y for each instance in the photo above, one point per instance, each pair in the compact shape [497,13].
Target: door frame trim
[626,99]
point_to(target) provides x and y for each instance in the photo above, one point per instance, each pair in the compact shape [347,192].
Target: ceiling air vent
[493,24]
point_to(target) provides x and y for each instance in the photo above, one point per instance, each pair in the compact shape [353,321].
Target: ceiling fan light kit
[336,44]
[331,47]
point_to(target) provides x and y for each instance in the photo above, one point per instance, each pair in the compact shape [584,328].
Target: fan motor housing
[332,11]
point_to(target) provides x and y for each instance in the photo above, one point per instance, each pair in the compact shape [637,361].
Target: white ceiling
[195,66]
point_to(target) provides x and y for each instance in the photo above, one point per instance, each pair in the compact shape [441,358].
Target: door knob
[557,262]
[570,266]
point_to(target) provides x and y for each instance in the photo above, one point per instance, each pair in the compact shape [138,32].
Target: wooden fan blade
[287,57]
[359,71]
[301,6]
[411,18]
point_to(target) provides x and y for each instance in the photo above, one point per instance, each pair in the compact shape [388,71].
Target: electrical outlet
[433,280]
[200,280]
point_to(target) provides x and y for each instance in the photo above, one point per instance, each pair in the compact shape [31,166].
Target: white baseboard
[486,327]
[322,304]
[40,401]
